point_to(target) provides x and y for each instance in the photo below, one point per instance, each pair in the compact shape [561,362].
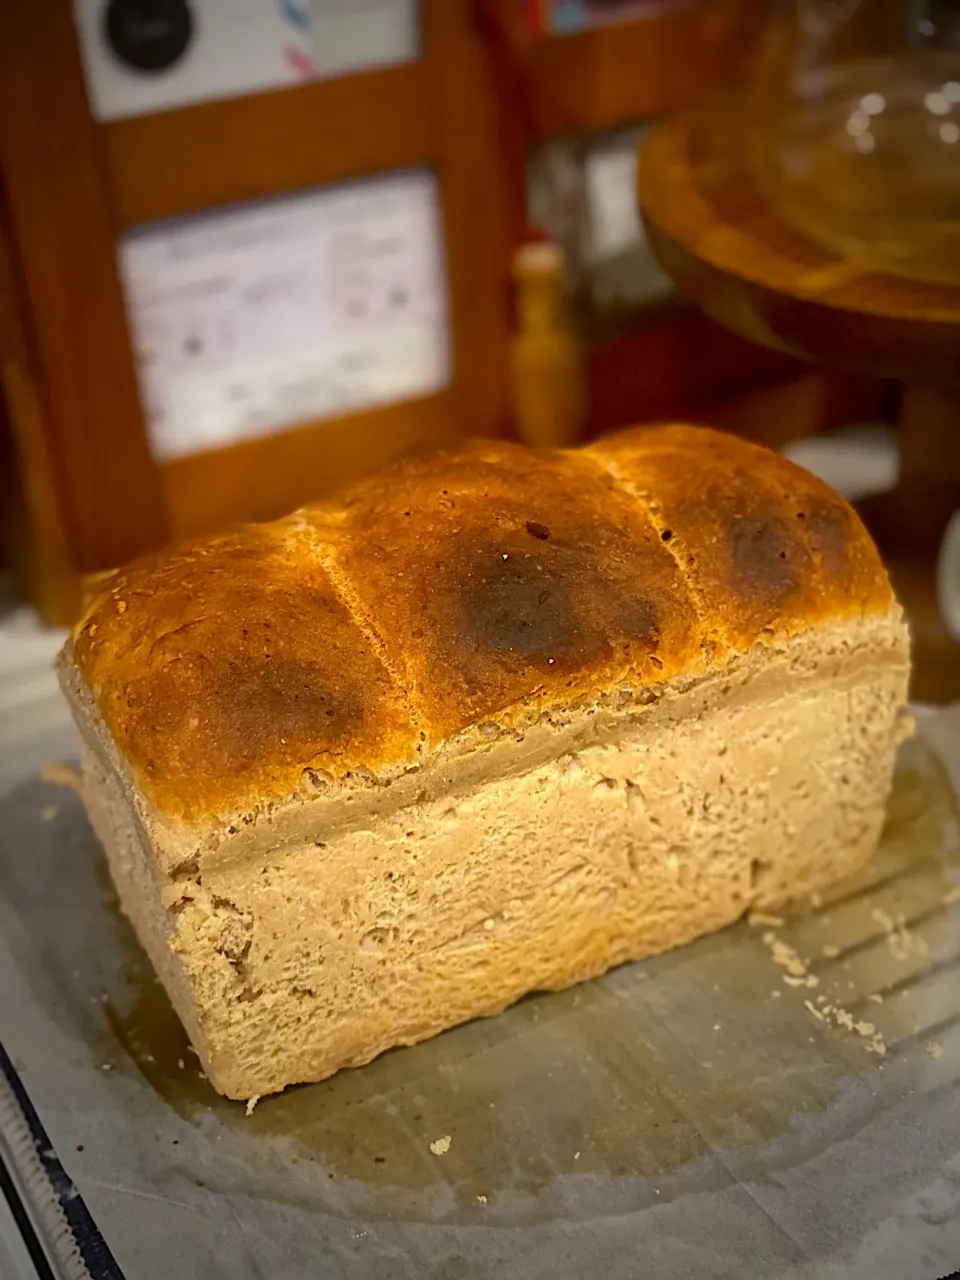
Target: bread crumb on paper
[901,943]
[934,1048]
[482,1199]
[826,1012]
[830,950]
[842,1017]
[440,1146]
[758,918]
[49,812]
[784,955]
[62,775]
[251,1103]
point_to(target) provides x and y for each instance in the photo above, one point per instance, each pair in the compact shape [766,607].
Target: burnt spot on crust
[255,710]
[815,562]
[510,602]
[518,576]
[552,606]
[238,718]
[766,558]
[829,533]
[740,542]
[745,549]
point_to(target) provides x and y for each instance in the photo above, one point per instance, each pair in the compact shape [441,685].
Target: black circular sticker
[148,35]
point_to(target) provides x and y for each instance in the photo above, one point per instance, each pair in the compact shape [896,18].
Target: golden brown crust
[452,590]
[767,547]
[497,575]
[226,668]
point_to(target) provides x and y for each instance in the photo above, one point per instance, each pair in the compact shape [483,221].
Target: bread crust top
[445,592]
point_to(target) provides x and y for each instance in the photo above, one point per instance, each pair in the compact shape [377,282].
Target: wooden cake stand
[727,249]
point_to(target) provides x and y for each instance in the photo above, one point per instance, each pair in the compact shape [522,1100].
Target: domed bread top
[487,584]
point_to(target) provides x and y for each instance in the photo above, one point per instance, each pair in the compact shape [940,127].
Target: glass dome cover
[857,135]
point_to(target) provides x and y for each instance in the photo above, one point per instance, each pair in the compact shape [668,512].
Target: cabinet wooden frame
[71,186]
[624,72]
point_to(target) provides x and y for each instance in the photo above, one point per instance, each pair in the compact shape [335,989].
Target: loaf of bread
[492,722]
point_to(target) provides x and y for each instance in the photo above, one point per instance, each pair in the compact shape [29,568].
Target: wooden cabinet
[70,189]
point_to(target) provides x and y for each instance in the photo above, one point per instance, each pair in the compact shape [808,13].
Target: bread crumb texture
[446,592]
